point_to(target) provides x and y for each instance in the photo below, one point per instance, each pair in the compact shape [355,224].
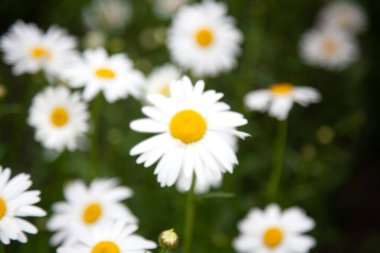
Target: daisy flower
[109,15]
[166,8]
[30,50]
[204,39]
[114,75]
[279,99]
[272,231]
[328,48]
[344,15]
[111,237]
[158,81]
[85,207]
[189,125]
[59,117]
[15,204]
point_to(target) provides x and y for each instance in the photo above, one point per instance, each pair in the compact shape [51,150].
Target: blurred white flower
[328,48]
[344,15]
[15,204]
[110,237]
[30,50]
[59,117]
[87,207]
[166,8]
[94,39]
[107,15]
[204,39]
[279,99]
[97,71]
[158,81]
[271,231]
[189,127]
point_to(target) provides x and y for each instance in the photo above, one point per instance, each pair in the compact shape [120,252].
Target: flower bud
[168,239]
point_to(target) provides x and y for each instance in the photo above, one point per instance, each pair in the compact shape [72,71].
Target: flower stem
[2,248]
[163,250]
[275,177]
[189,217]
[95,135]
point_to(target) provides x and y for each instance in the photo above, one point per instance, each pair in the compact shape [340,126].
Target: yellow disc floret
[59,116]
[105,247]
[272,237]
[40,52]
[330,47]
[281,88]
[204,37]
[188,126]
[3,208]
[105,73]
[92,213]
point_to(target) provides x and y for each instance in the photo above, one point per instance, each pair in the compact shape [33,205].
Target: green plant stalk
[189,218]
[163,250]
[2,248]
[96,110]
[275,178]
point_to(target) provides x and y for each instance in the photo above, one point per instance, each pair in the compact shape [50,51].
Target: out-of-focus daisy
[279,99]
[15,204]
[60,118]
[204,39]
[108,15]
[273,231]
[344,15]
[166,8]
[114,75]
[189,125]
[86,207]
[111,237]
[328,48]
[30,50]
[94,39]
[158,81]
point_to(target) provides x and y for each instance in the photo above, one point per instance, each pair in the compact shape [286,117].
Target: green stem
[189,217]
[275,177]
[163,250]
[96,108]
[2,248]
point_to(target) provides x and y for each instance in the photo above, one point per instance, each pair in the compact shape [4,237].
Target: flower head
[60,118]
[279,99]
[15,204]
[114,75]
[331,49]
[272,231]
[86,207]
[203,39]
[160,78]
[30,50]
[166,8]
[168,239]
[189,125]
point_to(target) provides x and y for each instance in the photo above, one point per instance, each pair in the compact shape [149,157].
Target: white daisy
[279,99]
[344,15]
[109,15]
[111,237]
[272,231]
[204,39]
[60,118]
[114,75]
[328,48]
[85,207]
[166,8]
[30,50]
[15,204]
[189,127]
[158,81]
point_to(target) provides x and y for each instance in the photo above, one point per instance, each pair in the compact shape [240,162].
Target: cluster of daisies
[194,133]
[332,43]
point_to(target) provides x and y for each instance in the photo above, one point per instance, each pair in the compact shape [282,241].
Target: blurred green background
[332,158]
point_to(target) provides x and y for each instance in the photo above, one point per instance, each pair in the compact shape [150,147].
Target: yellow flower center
[188,126]
[39,52]
[105,73]
[272,237]
[204,37]
[281,88]
[105,247]
[92,213]
[165,90]
[3,208]
[330,47]
[59,117]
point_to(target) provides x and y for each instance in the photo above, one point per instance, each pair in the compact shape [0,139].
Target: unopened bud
[168,239]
